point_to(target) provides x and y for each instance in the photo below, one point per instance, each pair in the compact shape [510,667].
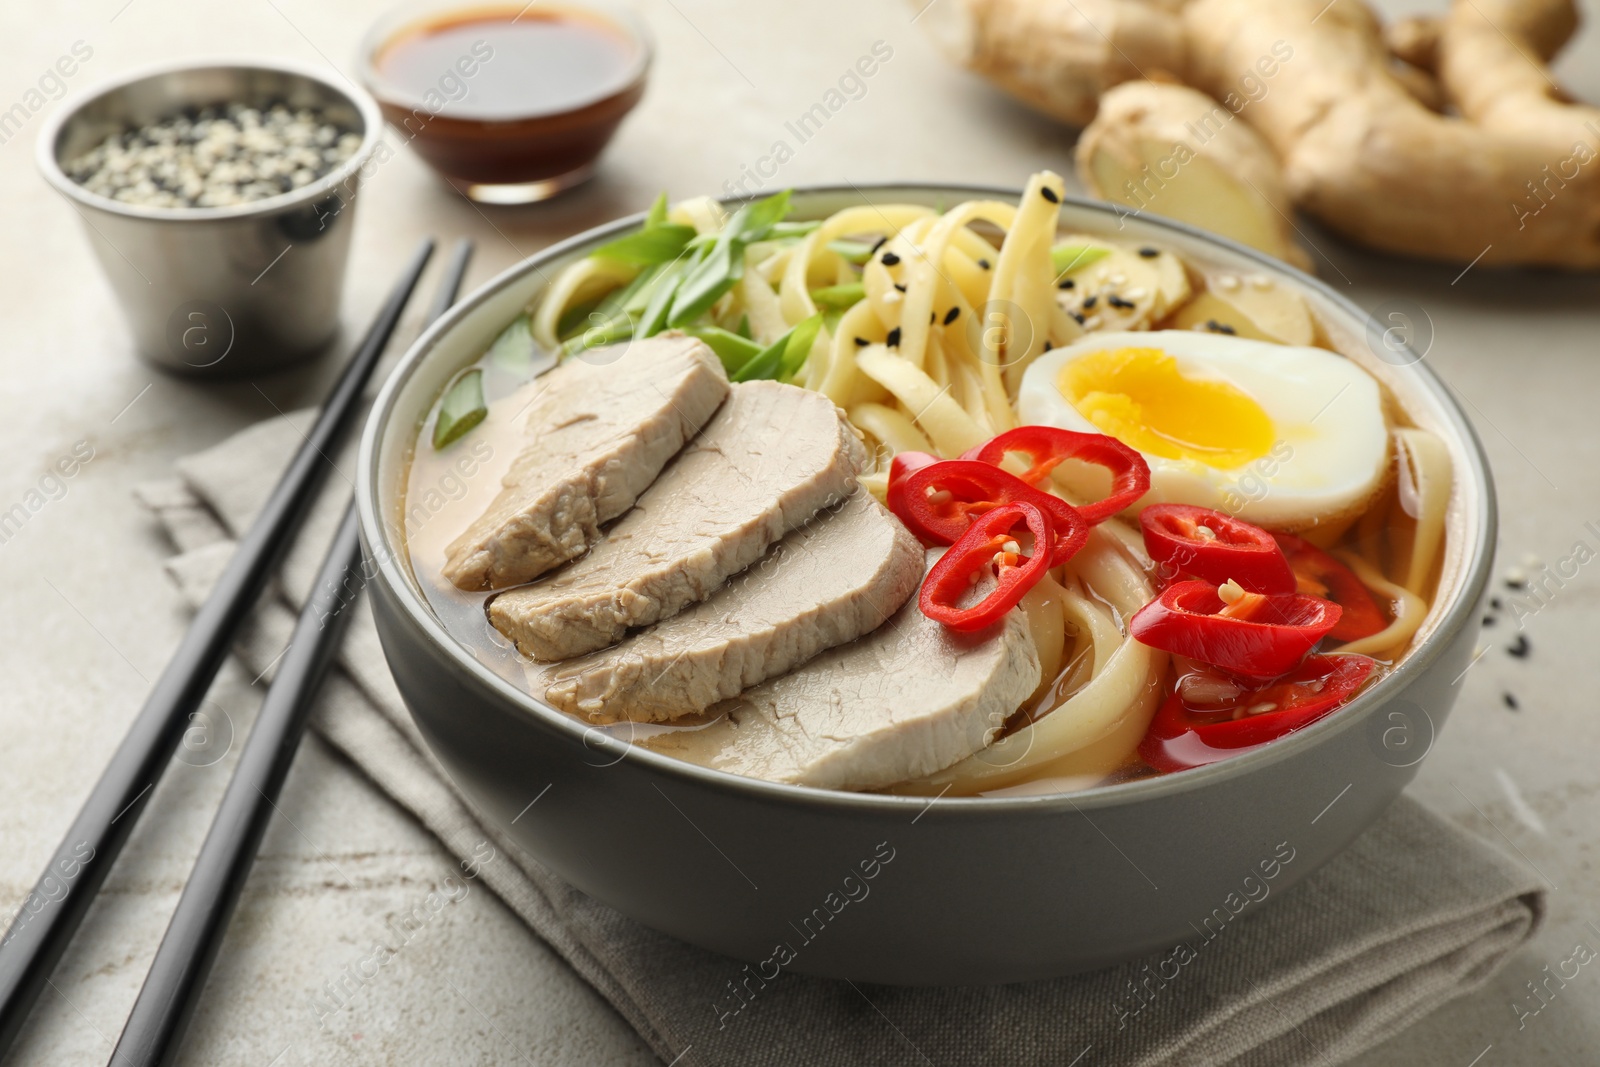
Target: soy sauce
[496,95]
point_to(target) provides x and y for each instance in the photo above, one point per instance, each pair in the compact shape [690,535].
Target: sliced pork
[838,577]
[598,433]
[772,457]
[907,700]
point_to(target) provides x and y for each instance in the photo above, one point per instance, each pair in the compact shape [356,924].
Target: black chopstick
[155,1028]
[39,935]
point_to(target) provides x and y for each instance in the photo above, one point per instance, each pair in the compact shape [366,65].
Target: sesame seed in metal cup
[219,198]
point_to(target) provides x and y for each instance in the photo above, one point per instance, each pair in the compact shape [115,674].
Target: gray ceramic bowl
[977,890]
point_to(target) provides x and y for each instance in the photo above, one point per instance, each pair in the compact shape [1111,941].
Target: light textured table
[87,618]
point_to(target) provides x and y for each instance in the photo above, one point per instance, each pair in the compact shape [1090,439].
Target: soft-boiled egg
[1282,436]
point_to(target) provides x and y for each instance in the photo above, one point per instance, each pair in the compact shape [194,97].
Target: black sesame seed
[862,342]
[890,259]
[933,316]
[893,340]
[879,243]
[1117,302]
[1229,330]
[1048,346]
[952,315]
[900,287]
[1496,603]
[1050,195]
[1088,304]
[1511,702]
[1078,316]
[984,263]
[1067,283]
[1515,584]
[1149,253]
[1488,620]
[1519,648]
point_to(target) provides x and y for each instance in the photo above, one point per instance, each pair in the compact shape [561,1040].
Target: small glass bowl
[503,156]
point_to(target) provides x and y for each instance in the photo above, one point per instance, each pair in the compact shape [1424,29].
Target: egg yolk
[1138,396]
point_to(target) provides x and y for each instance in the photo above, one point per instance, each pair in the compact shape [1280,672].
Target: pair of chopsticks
[39,935]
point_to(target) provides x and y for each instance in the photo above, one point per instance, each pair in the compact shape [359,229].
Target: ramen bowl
[900,889]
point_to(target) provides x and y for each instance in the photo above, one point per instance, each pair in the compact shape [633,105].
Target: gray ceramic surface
[219,292]
[981,890]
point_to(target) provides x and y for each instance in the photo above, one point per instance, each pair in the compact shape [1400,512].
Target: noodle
[1408,609]
[1424,492]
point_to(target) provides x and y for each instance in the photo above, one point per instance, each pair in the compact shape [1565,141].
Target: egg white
[1331,439]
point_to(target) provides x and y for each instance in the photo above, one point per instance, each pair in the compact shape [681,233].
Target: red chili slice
[1185,735]
[940,501]
[1047,447]
[1322,575]
[1189,541]
[981,551]
[902,467]
[1255,636]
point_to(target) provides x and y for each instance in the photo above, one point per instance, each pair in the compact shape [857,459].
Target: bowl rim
[1460,613]
[50,166]
[397,19]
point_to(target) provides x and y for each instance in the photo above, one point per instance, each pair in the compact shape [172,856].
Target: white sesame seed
[215,158]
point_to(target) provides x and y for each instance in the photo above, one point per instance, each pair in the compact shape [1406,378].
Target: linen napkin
[1416,912]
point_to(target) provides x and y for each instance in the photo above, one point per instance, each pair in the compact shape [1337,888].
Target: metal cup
[230,291]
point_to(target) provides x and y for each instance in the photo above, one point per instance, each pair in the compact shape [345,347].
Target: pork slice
[598,433]
[772,457]
[839,576]
[907,700]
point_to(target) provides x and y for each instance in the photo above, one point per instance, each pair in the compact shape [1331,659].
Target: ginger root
[1175,151]
[1060,57]
[1349,126]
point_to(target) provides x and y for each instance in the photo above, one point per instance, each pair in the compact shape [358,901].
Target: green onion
[601,331]
[649,246]
[657,215]
[857,252]
[460,409]
[733,350]
[720,265]
[662,291]
[1068,258]
[785,356]
[515,348]
[839,297]
[794,229]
